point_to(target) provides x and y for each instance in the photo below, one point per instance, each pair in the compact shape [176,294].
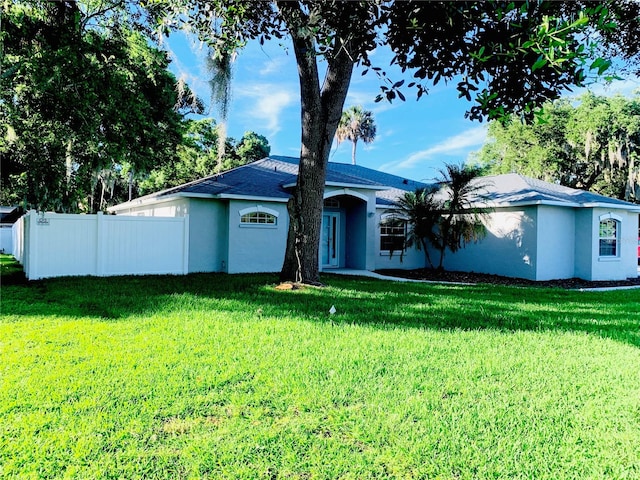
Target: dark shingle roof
[263,178]
[359,175]
[272,177]
[515,189]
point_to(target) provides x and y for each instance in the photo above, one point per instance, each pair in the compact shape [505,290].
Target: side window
[393,232]
[258,217]
[609,237]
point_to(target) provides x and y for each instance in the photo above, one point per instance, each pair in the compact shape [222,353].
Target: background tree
[591,144]
[506,57]
[356,124]
[198,156]
[83,98]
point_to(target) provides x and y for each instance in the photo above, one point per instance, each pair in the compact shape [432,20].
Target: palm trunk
[353,152]
[321,109]
[426,253]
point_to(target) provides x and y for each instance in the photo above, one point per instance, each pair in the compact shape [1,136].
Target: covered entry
[343,239]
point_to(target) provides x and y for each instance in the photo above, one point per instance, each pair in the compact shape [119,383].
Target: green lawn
[218,376]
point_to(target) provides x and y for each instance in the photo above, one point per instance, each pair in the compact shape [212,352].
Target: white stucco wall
[256,248]
[208,236]
[556,233]
[509,248]
[584,244]
[548,242]
[624,265]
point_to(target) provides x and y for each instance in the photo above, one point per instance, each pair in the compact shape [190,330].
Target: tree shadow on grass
[362,301]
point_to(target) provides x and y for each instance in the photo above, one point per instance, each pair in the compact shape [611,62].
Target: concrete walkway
[367,273]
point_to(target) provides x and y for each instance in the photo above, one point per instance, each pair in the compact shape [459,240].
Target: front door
[329,240]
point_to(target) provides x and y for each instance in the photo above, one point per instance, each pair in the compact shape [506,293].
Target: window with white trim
[609,237]
[393,234]
[258,218]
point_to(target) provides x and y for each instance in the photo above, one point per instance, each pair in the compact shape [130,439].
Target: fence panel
[143,245]
[6,238]
[56,245]
[18,238]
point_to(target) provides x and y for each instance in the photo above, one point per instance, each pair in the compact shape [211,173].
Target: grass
[218,376]
[10,269]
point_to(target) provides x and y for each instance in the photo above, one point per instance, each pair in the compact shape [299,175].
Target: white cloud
[267,103]
[275,65]
[454,145]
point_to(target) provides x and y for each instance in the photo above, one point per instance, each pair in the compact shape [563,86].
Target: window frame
[382,234]
[607,242]
[258,217]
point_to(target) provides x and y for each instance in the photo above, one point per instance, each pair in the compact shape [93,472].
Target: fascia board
[251,198]
[142,202]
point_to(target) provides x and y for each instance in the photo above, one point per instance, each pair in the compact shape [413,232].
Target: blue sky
[414,138]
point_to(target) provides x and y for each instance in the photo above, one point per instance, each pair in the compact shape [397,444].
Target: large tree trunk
[321,111]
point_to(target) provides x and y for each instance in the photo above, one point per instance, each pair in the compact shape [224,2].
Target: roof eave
[230,196]
[558,203]
[346,185]
[631,207]
[533,203]
[141,202]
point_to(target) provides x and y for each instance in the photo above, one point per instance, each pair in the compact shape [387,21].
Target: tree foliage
[198,156]
[504,57]
[356,124]
[510,58]
[592,144]
[84,100]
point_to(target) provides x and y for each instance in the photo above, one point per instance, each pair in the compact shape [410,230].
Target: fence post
[32,246]
[185,245]
[99,245]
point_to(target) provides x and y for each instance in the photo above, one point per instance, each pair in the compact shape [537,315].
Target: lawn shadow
[357,300]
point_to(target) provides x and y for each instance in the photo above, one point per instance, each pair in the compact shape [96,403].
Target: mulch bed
[466,277]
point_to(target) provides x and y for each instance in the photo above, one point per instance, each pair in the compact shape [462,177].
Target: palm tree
[420,211]
[447,215]
[462,212]
[356,124]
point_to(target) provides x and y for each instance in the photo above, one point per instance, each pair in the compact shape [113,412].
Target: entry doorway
[329,241]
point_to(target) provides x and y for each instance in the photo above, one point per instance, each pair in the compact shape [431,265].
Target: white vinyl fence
[6,238]
[56,245]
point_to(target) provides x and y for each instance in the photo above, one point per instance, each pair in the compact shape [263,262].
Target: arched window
[258,216]
[609,237]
